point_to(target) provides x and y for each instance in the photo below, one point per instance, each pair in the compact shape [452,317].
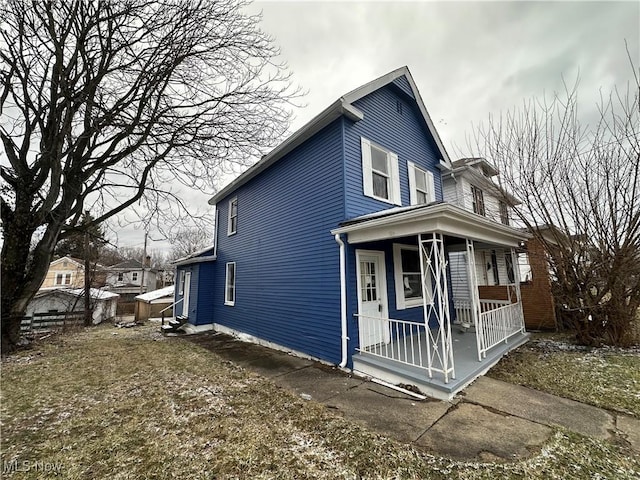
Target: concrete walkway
[490,420]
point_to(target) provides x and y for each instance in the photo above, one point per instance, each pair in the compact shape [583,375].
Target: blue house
[336,246]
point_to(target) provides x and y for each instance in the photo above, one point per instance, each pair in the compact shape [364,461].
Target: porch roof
[444,218]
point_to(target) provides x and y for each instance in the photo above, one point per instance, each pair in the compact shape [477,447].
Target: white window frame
[134,276]
[430,193]
[477,201]
[227,300]
[64,276]
[367,173]
[398,277]
[231,228]
[181,283]
[120,277]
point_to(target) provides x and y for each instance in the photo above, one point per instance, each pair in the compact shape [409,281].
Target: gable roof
[77,261]
[342,106]
[94,293]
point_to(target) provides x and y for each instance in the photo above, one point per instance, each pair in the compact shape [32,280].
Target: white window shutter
[411,171]
[432,187]
[395,179]
[367,174]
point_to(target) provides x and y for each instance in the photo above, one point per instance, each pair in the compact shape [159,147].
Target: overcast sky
[469,59]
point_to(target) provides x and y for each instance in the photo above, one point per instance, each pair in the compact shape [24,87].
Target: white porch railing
[498,324]
[404,342]
[398,340]
[464,311]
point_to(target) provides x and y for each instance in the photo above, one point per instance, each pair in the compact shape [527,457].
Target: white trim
[181,283]
[229,217]
[245,337]
[398,277]
[429,180]
[392,174]
[64,274]
[341,107]
[381,287]
[440,218]
[226,284]
[187,294]
[215,234]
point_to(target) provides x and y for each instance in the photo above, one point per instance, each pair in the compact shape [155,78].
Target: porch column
[435,302]
[516,275]
[474,297]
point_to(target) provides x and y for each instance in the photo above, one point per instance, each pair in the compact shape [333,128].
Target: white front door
[186,290]
[372,298]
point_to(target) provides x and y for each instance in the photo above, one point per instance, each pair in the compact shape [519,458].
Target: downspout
[343,302]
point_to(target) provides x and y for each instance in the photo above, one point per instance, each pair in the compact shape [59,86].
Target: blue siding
[287,262]
[404,133]
[403,84]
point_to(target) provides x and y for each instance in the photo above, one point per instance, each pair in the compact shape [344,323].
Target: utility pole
[87,271]
[144,262]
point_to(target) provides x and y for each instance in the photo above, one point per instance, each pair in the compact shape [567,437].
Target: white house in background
[126,278]
[50,301]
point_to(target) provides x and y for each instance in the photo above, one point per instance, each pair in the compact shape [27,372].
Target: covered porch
[450,341]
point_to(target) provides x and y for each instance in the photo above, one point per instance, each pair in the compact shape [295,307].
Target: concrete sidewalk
[490,419]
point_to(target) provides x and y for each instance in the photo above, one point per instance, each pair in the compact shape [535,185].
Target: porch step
[174,324]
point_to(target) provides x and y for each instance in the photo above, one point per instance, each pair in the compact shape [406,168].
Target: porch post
[433,267]
[474,297]
[516,275]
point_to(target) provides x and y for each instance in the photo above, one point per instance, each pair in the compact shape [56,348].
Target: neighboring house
[57,302]
[130,278]
[65,272]
[335,246]
[469,184]
[151,305]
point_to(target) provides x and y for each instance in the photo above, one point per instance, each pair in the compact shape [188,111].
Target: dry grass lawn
[131,404]
[605,377]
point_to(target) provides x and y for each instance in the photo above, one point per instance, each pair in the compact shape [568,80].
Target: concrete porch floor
[490,419]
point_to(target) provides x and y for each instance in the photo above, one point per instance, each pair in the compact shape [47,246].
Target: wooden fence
[51,321]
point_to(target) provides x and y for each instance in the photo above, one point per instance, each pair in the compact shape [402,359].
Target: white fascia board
[194,260]
[324,118]
[443,218]
[374,85]
[194,254]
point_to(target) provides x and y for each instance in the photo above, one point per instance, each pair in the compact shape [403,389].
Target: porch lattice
[433,270]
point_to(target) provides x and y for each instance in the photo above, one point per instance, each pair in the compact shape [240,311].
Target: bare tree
[583,184]
[111,105]
[187,241]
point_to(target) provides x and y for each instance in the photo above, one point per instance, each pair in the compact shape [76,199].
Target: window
[477,199]
[408,280]
[63,279]
[380,178]
[121,277]
[230,285]
[232,226]
[134,276]
[504,214]
[508,260]
[421,185]
[181,290]
[491,261]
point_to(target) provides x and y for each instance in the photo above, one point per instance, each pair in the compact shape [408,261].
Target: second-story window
[121,277]
[63,279]
[504,213]
[421,185]
[380,178]
[233,217]
[134,276]
[477,199]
